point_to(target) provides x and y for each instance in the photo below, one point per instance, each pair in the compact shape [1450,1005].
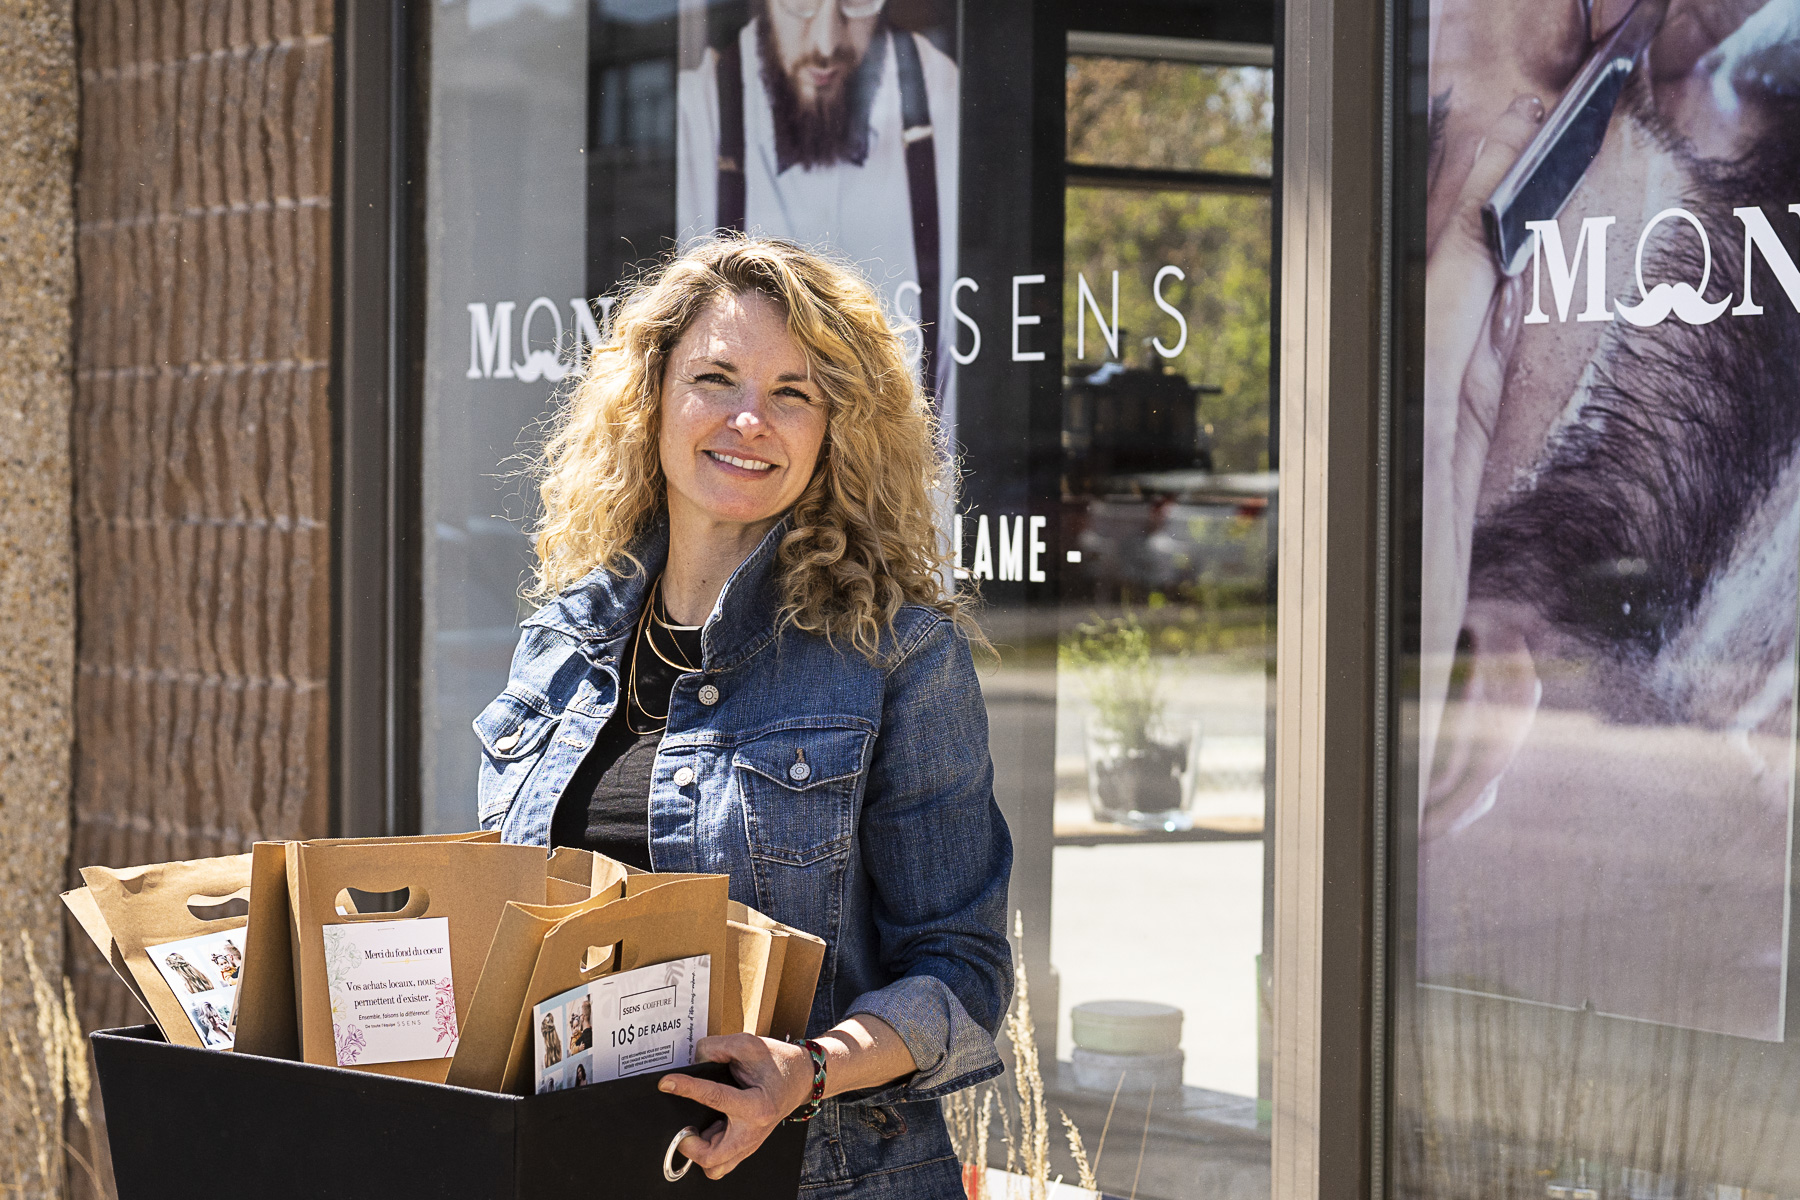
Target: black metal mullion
[1161,179]
[374,776]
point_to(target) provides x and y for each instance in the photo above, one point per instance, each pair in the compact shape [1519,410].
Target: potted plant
[1141,762]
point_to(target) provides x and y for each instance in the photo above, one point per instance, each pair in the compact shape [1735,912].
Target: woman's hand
[774,1078]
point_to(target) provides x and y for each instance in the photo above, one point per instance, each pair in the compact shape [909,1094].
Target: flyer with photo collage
[203,972]
[649,1019]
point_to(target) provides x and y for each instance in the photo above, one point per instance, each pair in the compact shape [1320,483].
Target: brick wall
[202,435]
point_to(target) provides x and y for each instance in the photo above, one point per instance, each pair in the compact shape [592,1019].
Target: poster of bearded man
[832,123]
[1610,563]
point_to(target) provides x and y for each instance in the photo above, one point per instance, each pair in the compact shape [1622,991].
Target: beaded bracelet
[810,1109]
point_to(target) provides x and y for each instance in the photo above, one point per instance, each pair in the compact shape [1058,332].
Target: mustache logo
[544,364]
[1680,299]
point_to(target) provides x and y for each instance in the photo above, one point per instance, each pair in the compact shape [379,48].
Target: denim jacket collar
[603,605]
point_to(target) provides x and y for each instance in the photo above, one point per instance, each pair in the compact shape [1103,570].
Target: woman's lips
[739,464]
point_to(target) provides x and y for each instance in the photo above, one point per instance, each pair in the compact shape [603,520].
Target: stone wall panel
[38,128]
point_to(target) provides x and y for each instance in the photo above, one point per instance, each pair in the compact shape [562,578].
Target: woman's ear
[1493,701]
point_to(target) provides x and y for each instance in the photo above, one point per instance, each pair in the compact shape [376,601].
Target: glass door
[1165,646]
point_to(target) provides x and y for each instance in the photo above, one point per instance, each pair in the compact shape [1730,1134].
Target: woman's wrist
[813,1077]
[863,1052]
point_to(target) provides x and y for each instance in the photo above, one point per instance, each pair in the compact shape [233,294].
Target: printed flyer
[392,996]
[649,1019]
[203,972]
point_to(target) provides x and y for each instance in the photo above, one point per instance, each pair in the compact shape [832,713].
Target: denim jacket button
[709,695]
[506,743]
[684,776]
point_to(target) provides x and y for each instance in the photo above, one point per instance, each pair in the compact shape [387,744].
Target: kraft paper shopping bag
[80,903]
[661,922]
[387,992]
[179,931]
[269,1004]
[802,958]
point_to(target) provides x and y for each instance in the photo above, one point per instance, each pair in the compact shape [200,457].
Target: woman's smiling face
[742,418]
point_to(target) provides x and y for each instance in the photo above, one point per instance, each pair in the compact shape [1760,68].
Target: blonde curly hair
[863,539]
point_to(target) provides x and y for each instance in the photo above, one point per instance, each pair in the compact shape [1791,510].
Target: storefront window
[1595,947]
[1166,650]
[1119,505]
[505,281]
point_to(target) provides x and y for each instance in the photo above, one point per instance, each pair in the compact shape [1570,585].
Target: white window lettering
[1548,247]
[587,332]
[1012,548]
[543,363]
[490,339]
[1084,300]
[1018,355]
[984,550]
[1760,235]
[1156,292]
[963,317]
[1683,299]
[1038,546]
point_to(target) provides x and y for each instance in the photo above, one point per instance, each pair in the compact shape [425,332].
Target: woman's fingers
[717,1096]
[724,1145]
[731,1048]
[752,1110]
[702,1147]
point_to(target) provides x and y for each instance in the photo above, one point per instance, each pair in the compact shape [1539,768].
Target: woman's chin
[741,510]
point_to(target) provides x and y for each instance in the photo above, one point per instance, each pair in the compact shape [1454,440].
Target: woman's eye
[713,377]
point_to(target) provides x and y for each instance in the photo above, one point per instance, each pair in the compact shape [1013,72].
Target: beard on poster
[1605,807]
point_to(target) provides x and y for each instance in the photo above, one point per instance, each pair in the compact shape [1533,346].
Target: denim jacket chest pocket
[513,733]
[799,789]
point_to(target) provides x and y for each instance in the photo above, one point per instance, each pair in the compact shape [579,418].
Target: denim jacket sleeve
[939,856]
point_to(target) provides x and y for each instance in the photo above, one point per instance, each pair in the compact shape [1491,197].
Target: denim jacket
[850,800]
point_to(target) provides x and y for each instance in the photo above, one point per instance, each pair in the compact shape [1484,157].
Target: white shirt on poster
[863,211]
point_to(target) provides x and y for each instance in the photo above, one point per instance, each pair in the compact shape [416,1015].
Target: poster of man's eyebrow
[1611,542]
[833,123]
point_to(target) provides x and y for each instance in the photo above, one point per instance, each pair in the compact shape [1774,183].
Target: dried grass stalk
[1027,1150]
[63,1065]
[1077,1151]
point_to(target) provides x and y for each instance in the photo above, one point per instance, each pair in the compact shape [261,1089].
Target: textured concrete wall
[37,629]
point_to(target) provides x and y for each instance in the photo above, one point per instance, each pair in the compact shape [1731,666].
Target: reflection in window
[1166,648]
[637,106]
[1184,116]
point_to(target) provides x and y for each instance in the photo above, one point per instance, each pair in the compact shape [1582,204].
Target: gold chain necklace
[647,620]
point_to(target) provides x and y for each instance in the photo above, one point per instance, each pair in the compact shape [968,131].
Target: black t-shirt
[606,806]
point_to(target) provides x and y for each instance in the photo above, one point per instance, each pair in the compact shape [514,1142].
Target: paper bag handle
[347,909]
[203,906]
[669,1171]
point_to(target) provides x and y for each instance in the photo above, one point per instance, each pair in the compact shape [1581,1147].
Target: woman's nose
[749,420]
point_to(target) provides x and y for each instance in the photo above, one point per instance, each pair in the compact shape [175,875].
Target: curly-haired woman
[750,664]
